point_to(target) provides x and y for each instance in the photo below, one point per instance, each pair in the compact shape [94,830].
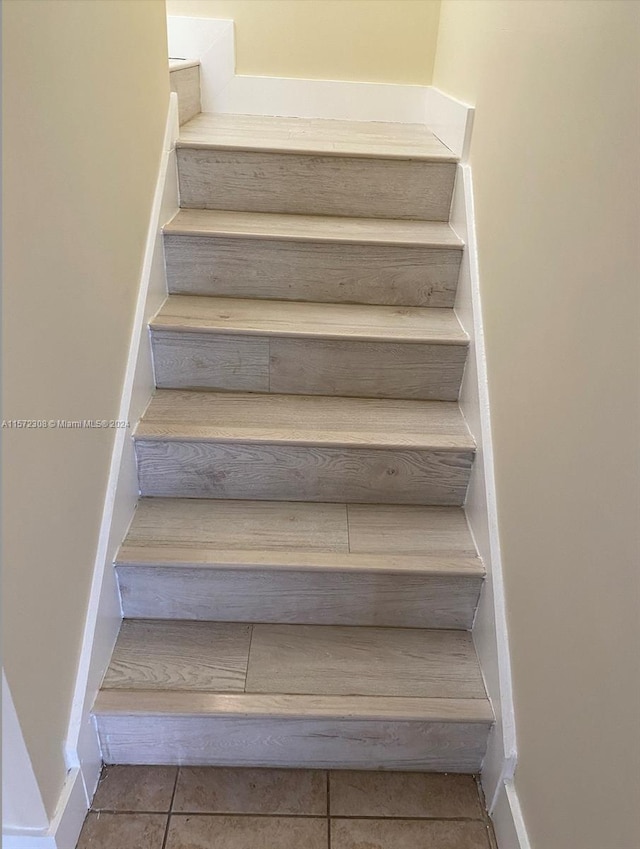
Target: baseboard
[508,822]
[104,611]
[222,90]
[454,120]
[450,119]
[65,826]
[336,99]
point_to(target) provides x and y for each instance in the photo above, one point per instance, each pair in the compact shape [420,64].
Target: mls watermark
[63,424]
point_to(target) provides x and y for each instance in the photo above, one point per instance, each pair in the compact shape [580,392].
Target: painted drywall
[554,152]
[85,97]
[384,41]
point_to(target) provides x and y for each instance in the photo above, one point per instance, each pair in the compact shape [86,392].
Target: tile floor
[160,807]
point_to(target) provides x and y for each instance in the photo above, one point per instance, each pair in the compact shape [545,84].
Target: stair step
[291,695]
[303,448]
[323,349]
[294,165]
[337,564]
[314,136]
[312,258]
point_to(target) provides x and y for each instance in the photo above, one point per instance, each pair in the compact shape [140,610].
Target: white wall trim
[452,121]
[22,805]
[104,610]
[508,822]
[222,90]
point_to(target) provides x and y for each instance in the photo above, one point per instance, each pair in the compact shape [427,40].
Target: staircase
[299,582]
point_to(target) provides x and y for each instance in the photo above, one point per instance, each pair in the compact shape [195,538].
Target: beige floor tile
[251,791]
[122,831]
[403,794]
[203,832]
[135,788]
[407,834]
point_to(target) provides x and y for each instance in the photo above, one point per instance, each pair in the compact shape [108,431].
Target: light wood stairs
[299,581]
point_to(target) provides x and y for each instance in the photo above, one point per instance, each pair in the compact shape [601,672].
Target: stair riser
[290,742]
[186,360]
[305,597]
[324,272]
[302,473]
[360,187]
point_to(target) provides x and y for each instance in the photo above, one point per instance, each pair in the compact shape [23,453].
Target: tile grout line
[173,796]
[329,776]
[242,814]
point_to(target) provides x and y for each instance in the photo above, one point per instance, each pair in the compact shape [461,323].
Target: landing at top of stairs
[314,136]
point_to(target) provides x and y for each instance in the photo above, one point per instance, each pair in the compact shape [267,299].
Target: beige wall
[85,96]
[385,41]
[555,156]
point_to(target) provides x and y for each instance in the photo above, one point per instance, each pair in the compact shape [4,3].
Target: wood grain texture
[258,525]
[313,135]
[314,228]
[180,656]
[310,744]
[304,184]
[301,349]
[304,420]
[194,469]
[312,271]
[363,661]
[186,83]
[434,531]
[340,322]
[204,360]
[290,562]
[394,533]
[297,560]
[366,369]
[319,597]
[286,706]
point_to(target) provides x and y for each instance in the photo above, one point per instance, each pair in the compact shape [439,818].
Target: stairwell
[299,582]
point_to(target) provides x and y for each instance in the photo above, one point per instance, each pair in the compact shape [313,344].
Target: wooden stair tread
[314,136]
[313,228]
[304,420]
[349,322]
[174,532]
[303,660]
[259,705]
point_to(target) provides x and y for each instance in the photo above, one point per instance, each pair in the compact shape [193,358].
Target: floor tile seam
[394,818]
[173,796]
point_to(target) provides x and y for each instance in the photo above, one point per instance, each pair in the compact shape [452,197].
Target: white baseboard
[64,829]
[452,121]
[104,611]
[222,90]
[336,99]
[508,822]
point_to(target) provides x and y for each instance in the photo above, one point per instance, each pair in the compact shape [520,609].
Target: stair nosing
[165,321]
[175,228]
[241,436]
[298,560]
[281,150]
[131,702]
